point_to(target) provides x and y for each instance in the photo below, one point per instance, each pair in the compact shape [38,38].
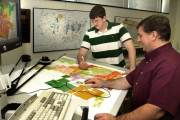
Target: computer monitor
[10,25]
[10,36]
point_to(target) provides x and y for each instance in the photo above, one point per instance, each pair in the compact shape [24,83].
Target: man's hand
[81,58]
[97,82]
[104,116]
[83,65]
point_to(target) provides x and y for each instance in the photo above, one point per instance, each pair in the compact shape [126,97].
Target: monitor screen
[10,26]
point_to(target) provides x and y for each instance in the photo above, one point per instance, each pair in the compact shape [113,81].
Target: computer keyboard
[49,105]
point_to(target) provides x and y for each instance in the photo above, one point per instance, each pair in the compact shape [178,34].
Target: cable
[36,90]
[32,91]
[67,87]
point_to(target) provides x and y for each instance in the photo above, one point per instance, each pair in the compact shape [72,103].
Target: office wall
[27,48]
[176,42]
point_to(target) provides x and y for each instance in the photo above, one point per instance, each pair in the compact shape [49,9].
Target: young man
[155,82]
[105,41]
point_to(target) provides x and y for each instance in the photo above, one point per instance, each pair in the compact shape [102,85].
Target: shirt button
[146,62]
[141,72]
[150,60]
[132,93]
[136,83]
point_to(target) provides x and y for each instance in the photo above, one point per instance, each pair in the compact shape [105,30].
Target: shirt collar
[109,26]
[149,56]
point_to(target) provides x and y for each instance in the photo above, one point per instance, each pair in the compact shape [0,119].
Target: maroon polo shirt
[157,81]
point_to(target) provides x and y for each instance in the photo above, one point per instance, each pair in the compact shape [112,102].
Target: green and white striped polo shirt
[107,47]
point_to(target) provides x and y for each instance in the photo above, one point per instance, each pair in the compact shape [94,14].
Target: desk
[109,105]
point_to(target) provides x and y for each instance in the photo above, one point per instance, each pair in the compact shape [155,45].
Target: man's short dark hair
[158,23]
[97,11]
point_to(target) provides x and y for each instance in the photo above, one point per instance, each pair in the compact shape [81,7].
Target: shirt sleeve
[165,91]
[86,42]
[124,34]
[130,77]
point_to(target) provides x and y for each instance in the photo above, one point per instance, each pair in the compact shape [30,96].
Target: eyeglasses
[95,20]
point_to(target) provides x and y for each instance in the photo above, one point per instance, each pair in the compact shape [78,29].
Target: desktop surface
[62,75]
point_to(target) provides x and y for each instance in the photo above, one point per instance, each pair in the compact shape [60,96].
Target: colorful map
[59,29]
[7,24]
[71,72]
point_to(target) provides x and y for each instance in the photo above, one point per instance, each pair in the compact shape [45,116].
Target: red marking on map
[91,66]
[111,76]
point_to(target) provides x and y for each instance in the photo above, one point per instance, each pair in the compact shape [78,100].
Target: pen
[82,58]
[84,63]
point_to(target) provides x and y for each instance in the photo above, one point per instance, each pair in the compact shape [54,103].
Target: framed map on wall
[57,29]
[130,24]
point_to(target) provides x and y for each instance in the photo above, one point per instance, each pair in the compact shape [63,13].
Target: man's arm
[131,54]
[81,57]
[120,83]
[145,112]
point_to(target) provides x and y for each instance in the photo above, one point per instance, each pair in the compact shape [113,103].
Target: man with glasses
[105,40]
